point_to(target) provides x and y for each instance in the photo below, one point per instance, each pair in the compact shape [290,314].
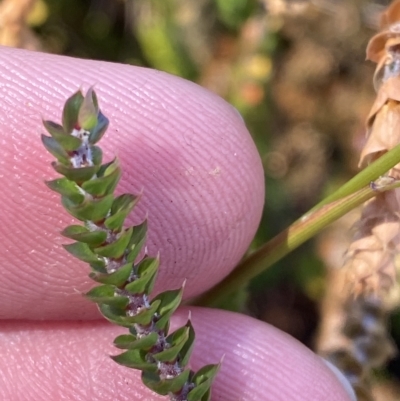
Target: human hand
[203,191]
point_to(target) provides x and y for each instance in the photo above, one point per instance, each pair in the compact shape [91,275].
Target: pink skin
[201,179]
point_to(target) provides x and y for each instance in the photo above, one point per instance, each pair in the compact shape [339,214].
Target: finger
[69,361]
[185,148]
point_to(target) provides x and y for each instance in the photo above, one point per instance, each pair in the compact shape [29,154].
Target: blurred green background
[296,71]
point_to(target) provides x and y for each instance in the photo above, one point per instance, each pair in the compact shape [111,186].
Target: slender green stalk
[376,169]
[288,240]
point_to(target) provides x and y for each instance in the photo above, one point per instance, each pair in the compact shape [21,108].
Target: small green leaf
[177,341]
[199,392]
[121,207]
[67,141]
[122,202]
[118,316]
[82,252]
[145,316]
[66,188]
[98,131]
[117,248]
[105,294]
[87,115]
[138,286]
[207,372]
[207,395]
[135,359]
[118,278]
[138,239]
[70,112]
[163,387]
[146,271]
[203,380]
[170,300]
[106,291]
[186,350]
[114,315]
[78,175]
[103,185]
[82,234]
[94,210]
[53,147]
[99,266]
[94,99]
[53,128]
[103,168]
[124,340]
[128,341]
[97,155]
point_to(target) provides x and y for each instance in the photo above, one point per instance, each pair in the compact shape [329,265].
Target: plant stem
[376,169]
[288,240]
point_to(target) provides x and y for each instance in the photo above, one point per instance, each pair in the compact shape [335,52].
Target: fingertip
[261,362]
[189,151]
[61,360]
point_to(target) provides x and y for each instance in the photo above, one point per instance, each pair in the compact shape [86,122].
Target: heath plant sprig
[113,252]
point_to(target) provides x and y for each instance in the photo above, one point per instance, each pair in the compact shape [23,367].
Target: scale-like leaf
[53,128]
[97,156]
[120,209]
[99,266]
[169,301]
[135,359]
[88,111]
[99,130]
[116,248]
[103,185]
[117,278]
[71,111]
[90,210]
[67,141]
[184,354]
[82,252]
[163,387]
[82,234]
[118,316]
[128,341]
[67,188]
[55,149]
[146,271]
[105,294]
[78,175]
[104,167]
[138,239]
[145,316]
[203,380]
[176,342]
[114,315]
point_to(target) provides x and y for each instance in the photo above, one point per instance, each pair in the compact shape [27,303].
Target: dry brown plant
[371,257]
[353,333]
[353,330]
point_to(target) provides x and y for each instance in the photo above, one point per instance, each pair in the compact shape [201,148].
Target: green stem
[376,169]
[288,240]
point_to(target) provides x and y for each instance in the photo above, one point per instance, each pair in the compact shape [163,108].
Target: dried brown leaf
[391,15]
[370,258]
[384,132]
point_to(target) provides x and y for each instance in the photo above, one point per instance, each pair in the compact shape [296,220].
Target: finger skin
[69,362]
[186,149]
